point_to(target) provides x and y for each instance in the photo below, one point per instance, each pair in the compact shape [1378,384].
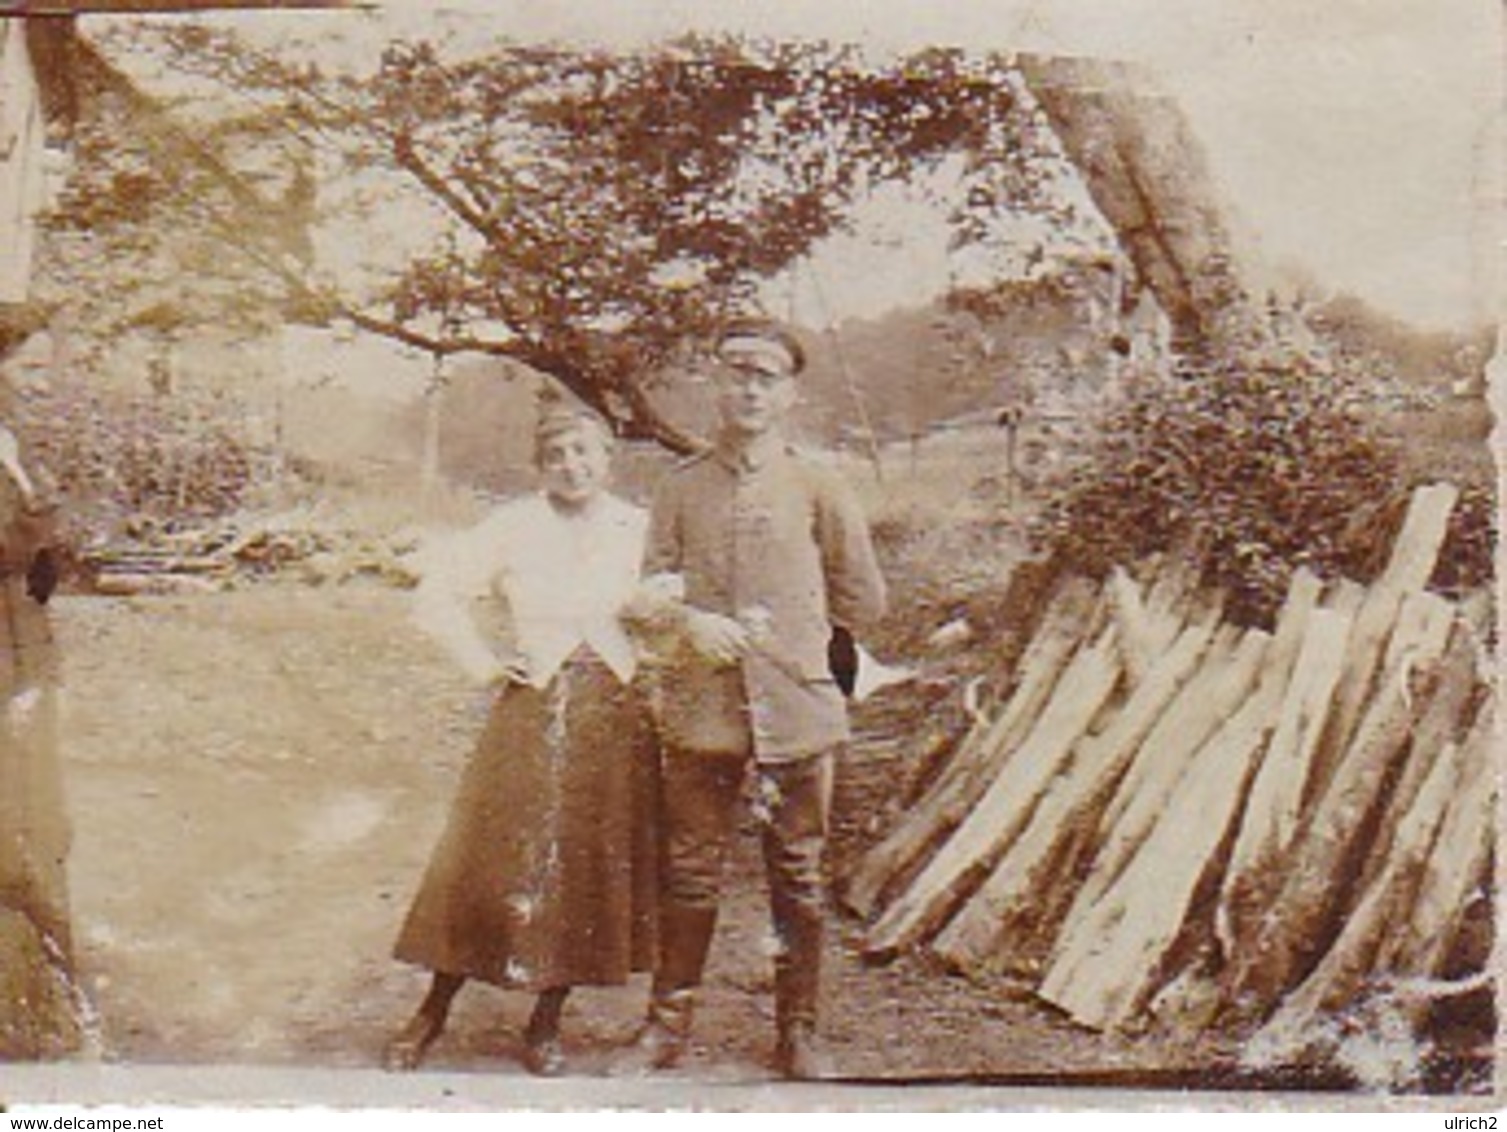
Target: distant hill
[1362,336]
[906,372]
[915,368]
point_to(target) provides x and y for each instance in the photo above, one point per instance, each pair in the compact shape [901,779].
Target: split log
[1411,900]
[155,585]
[1273,811]
[1414,555]
[957,789]
[149,563]
[1443,718]
[1139,645]
[1174,584]
[1118,960]
[1171,600]
[1126,947]
[1224,681]
[1321,872]
[1303,593]
[1420,943]
[966,858]
[1012,920]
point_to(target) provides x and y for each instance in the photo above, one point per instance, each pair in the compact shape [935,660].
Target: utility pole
[434,403]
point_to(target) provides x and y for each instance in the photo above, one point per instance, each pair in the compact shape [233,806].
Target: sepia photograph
[674,557]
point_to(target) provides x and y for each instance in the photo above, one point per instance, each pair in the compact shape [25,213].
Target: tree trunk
[1149,177]
[434,415]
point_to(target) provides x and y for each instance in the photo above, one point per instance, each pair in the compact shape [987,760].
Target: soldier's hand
[499,672]
[10,460]
[511,669]
[716,637]
[655,601]
[661,589]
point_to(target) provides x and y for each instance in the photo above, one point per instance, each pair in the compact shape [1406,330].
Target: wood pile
[1170,820]
[220,556]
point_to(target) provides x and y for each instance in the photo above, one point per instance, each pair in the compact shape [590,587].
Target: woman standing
[544,877]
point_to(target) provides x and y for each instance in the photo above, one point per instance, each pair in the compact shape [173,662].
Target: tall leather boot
[797,989]
[685,938]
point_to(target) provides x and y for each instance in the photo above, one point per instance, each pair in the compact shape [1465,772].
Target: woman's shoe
[544,1058]
[405,1052]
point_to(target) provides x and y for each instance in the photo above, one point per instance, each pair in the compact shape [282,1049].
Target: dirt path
[256,780]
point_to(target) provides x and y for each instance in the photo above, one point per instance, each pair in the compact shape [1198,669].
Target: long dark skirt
[545,875]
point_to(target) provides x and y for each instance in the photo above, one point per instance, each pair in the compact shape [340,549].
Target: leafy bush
[1467,560]
[124,465]
[1250,468]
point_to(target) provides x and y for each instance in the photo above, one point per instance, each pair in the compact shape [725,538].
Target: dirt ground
[256,779]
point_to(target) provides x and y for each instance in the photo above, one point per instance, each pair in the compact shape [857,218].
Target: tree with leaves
[586,213]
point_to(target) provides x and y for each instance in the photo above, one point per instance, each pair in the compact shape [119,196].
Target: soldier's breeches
[702,800]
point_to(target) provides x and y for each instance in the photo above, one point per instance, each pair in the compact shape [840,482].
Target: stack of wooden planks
[1170,818]
[225,553]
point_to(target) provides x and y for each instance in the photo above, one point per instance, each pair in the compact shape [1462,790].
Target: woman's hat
[560,411]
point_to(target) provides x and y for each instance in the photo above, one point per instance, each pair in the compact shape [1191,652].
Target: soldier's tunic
[775,540]
[544,876]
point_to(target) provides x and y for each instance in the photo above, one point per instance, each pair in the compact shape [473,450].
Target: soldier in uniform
[773,553]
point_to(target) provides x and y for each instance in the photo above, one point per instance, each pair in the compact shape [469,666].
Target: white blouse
[562,579]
